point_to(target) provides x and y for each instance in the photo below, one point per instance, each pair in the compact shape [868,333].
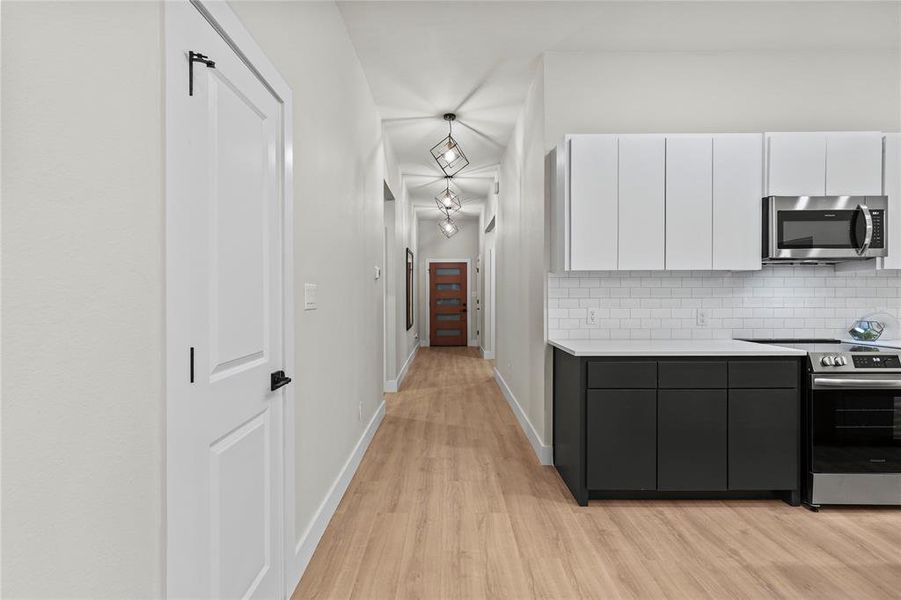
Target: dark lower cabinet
[622,439]
[763,439]
[686,427]
[691,438]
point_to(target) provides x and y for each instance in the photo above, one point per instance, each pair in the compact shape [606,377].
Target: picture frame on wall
[410,272]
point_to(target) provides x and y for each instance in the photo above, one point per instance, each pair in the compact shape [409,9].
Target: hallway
[450,502]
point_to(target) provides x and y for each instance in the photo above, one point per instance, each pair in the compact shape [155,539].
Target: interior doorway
[448,316]
[389,287]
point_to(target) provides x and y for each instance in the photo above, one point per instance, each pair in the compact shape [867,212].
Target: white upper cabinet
[648,202]
[737,193]
[593,181]
[796,164]
[642,162]
[854,163]
[689,202]
[892,189]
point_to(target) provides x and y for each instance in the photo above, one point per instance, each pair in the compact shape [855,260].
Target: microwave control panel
[878,216]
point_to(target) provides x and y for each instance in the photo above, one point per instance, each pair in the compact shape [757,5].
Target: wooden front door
[448,324]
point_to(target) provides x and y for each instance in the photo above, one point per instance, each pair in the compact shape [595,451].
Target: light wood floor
[450,502]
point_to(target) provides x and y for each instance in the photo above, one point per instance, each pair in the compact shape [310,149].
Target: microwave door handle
[868,236]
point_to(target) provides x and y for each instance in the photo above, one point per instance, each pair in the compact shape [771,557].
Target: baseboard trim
[487,354]
[392,385]
[544,453]
[406,368]
[304,549]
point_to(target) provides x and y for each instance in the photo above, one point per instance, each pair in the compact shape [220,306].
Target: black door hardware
[192,364]
[277,380]
[194,57]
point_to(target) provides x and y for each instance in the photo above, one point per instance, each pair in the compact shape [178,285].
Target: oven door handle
[868,236]
[856,383]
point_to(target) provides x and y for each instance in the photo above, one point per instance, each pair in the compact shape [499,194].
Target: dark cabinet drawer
[763,374]
[692,375]
[622,375]
[691,440]
[621,439]
[763,439]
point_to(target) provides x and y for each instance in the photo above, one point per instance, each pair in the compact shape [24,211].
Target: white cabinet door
[689,202]
[854,163]
[593,202]
[737,193]
[796,164]
[642,161]
[892,189]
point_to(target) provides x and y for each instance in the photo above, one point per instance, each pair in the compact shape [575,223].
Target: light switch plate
[310,293]
[592,316]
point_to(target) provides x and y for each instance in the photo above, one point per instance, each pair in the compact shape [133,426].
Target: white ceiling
[477,59]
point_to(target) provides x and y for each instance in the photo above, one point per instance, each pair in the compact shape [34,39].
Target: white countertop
[671,348]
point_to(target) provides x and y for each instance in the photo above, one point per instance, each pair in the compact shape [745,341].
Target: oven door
[825,227]
[856,423]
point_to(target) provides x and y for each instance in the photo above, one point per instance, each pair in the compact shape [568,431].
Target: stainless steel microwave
[823,229]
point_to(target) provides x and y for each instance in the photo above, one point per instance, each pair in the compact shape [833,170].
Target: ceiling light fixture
[448,202]
[447,153]
[448,227]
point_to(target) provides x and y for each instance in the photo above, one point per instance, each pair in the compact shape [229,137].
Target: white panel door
[892,189]
[224,441]
[689,202]
[796,164]
[642,164]
[737,206]
[593,202]
[854,163]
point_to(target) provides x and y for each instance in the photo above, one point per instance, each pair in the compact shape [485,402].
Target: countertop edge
[757,350]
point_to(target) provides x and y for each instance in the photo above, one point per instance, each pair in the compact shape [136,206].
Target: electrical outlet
[360,411]
[592,316]
[378,272]
[702,317]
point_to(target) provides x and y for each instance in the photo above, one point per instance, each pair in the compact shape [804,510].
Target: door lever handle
[277,380]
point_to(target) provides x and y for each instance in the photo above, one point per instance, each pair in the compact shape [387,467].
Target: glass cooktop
[824,345]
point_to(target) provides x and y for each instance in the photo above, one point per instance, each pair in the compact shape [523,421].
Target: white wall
[434,245]
[404,222]
[82,300]
[521,352]
[791,90]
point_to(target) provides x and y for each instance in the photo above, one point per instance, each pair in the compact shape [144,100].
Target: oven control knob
[840,361]
[827,361]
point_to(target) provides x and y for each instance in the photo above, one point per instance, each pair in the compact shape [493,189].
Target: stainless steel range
[852,442]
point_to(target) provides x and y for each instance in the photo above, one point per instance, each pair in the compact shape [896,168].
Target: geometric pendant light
[447,153]
[448,202]
[448,227]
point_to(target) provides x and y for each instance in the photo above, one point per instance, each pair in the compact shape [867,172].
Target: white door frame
[226,23]
[470,341]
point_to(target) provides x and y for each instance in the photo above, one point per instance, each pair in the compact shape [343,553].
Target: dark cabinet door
[763,439]
[622,439]
[691,447]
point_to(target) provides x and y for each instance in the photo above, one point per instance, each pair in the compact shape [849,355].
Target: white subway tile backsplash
[778,301]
